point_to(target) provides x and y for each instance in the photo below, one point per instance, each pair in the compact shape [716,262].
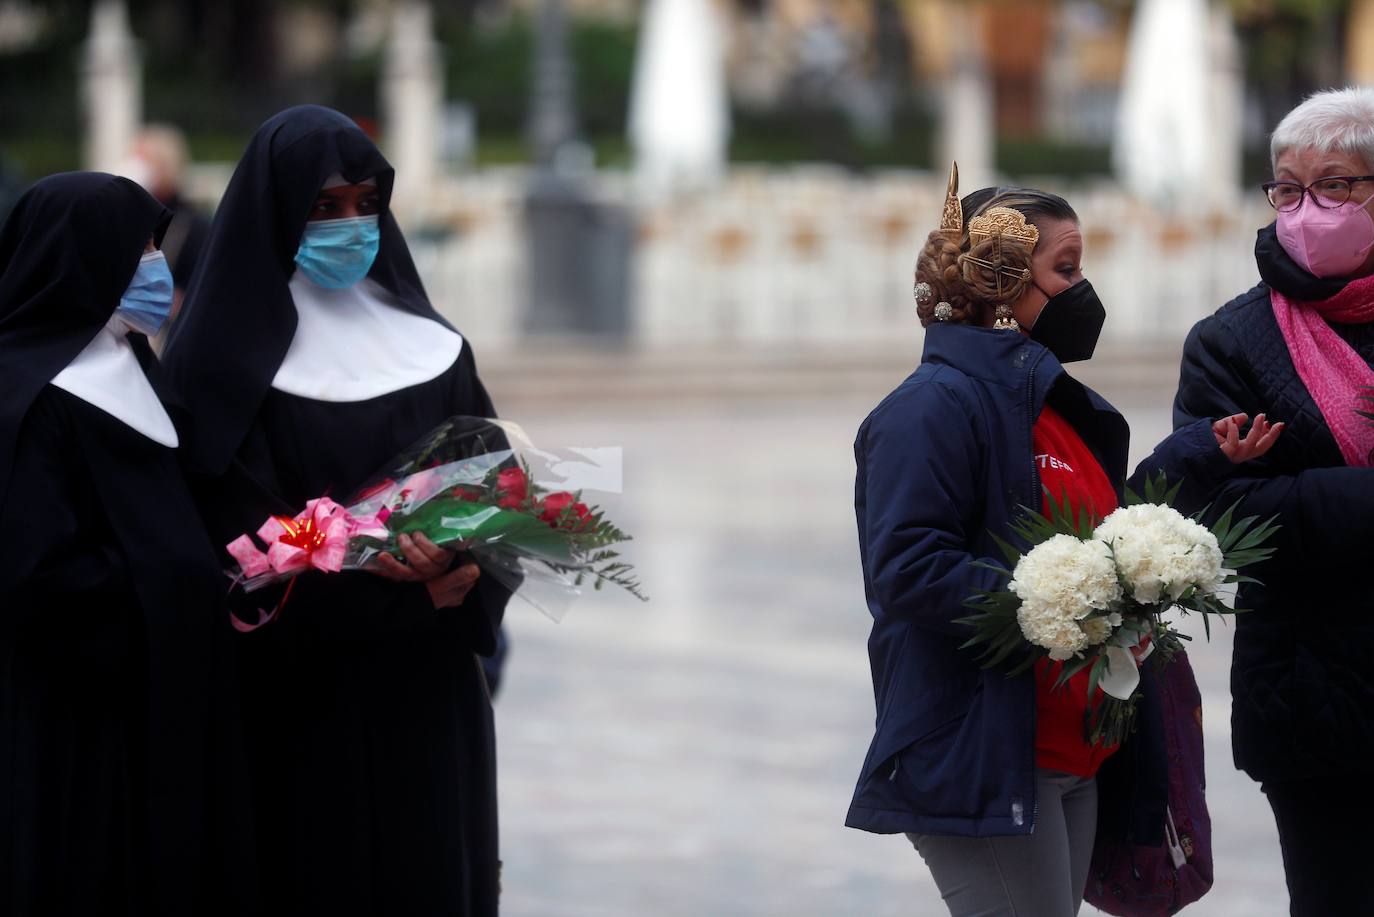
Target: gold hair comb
[1004,222]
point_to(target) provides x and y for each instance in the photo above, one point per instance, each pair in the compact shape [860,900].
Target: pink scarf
[1335,375]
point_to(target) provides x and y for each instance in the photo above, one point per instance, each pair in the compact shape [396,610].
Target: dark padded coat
[1301,681]
[944,463]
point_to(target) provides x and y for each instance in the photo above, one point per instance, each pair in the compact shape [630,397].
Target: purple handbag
[1133,880]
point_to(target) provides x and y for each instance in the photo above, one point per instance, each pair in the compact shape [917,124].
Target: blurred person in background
[990,776]
[158,162]
[119,770]
[1301,342]
[309,356]
[494,666]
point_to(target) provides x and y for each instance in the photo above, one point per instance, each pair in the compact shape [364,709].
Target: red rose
[554,505]
[464,492]
[513,487]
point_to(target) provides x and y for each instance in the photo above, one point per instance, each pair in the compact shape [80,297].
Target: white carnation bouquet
[1096,598]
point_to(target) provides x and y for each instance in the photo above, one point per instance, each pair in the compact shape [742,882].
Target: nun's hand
[424,561]
[1258,441]
[449,590]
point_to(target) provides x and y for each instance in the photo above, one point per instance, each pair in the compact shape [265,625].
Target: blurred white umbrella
[968,124]
[679,120]
[1178,138]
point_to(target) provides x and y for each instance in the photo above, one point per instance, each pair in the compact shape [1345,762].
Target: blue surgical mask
[147,302]
[338,253]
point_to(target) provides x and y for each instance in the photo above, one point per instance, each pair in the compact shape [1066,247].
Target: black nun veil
[67,253]
[116,696]
[369,729]
[238,319]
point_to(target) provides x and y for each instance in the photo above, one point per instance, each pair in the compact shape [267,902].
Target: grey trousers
[1042,874]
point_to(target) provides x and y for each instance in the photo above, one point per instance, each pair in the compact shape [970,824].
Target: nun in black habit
[310,356]
[116,692]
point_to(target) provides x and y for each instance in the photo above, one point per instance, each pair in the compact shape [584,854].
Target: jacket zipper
[1034,502]
[1030,435]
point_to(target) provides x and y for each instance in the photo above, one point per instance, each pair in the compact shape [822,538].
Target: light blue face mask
[147,302]
[338,253]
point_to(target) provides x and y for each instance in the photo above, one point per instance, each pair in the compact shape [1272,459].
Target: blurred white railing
[815,254]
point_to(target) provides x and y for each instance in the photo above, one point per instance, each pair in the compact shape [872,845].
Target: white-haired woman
[1300,345]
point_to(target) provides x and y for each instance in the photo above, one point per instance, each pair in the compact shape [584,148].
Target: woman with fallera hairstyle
[309,355]
[989,776]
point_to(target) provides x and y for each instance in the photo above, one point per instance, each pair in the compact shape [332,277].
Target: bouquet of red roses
[473,484]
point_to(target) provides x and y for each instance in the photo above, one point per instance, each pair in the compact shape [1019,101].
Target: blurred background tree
[853,82]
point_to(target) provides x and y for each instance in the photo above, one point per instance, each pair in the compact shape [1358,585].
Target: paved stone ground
[695,756]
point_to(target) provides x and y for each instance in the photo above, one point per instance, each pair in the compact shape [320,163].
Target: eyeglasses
[1329,193]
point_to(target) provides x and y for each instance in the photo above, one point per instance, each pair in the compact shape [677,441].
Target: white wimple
[107,375]
[359,343]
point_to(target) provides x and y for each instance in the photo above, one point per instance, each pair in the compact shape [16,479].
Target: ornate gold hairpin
[952,217]
[1004,222]
[997,266]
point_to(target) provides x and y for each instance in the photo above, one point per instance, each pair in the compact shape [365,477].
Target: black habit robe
[118,750]
[371,733]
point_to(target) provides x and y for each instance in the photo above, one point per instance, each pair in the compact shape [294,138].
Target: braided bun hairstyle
[976,279]
[938,265]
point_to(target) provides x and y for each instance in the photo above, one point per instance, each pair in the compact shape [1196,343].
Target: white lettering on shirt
[1048,461]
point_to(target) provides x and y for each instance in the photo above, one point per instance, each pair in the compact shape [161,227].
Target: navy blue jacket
[944,462]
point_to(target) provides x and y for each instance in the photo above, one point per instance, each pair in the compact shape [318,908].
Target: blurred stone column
[967,118]
[579,248]
[111,87]
[412,104]
[553,120]
[1226,99]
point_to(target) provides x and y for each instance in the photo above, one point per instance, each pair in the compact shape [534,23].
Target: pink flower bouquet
[470,485]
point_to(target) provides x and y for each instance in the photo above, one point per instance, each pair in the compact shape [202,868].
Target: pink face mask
[1327,242]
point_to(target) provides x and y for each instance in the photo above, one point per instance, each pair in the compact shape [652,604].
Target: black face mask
[1070,323]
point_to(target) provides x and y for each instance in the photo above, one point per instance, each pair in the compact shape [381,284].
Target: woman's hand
[449,590]
[424,561]
[1258,441]
[428,563]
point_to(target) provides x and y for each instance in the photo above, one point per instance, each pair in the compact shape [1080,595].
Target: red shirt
[1067,469]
